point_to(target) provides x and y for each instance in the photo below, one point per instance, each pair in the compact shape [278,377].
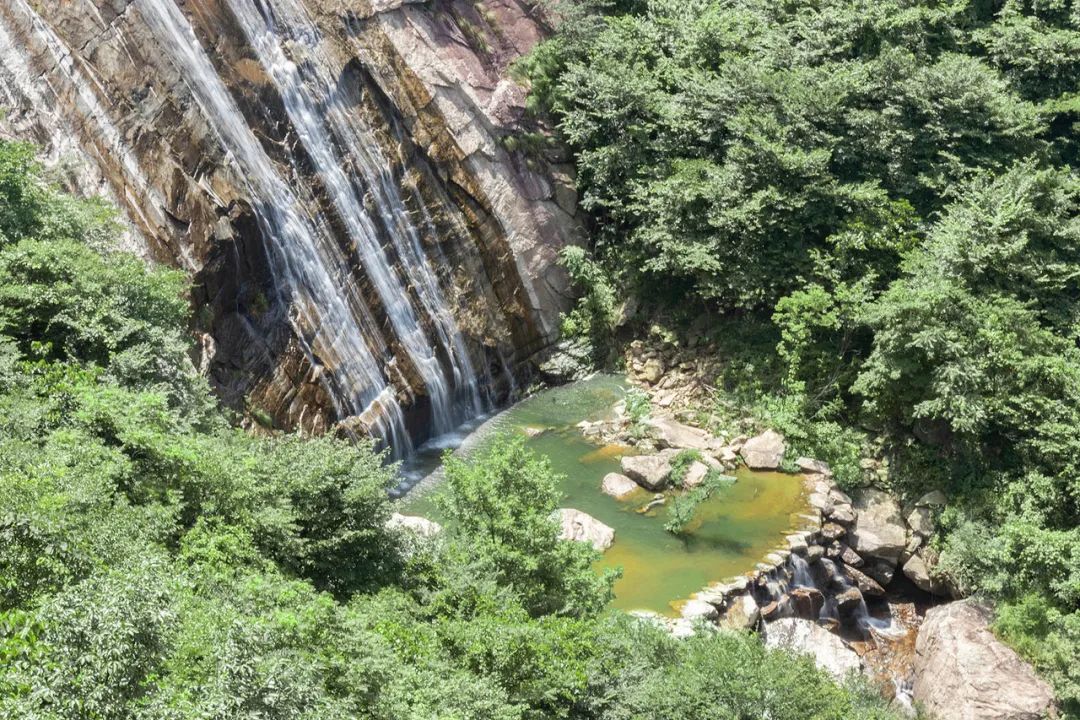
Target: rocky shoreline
[851,584]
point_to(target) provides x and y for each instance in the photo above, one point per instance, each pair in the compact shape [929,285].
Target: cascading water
[363,365]
[326,310]
[316,109]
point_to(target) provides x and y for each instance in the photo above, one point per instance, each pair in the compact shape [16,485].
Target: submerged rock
[962,671]
[765,451]
[805,636]
[617,485]
[583,527]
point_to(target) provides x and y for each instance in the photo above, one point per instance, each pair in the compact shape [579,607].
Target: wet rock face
[422,104]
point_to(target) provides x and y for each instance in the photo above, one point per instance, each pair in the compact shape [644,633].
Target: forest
[881,202]
[158,562]
[877,203]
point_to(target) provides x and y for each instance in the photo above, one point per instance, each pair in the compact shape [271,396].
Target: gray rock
[916,570]
[850,557]
[582,527]
[878,531]
[932,499]
[617,485]
[695,474]
[921,521]
[649,471]
[866,584]
[670,433]
[963,672]
[849,601]
[814,553]
[829,651]
[842,514]
[699,609]
[764,451]
[832,531]
[809,465]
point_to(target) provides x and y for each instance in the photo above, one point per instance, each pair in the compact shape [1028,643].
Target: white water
[325,308]
[324,123]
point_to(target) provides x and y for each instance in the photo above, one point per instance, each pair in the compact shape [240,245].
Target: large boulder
[414,524]
[582,527]
[670,433]
[878,532]
[963,672]
[617,485]
[649,471]
[806,636]
[764,451]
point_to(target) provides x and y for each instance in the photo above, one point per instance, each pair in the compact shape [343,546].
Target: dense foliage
[893,186]
[155,562]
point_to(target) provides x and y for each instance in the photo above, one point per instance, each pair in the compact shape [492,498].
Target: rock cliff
[367,254]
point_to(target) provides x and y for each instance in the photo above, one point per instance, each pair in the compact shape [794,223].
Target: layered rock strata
[367,254]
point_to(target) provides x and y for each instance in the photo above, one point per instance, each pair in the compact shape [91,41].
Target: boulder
[918,571]
[653,371]
[414,524]
[849,601]
[866,584]
[807,602]
[933,499]
[805,636]
[849,557]
[814,553]
[617,485]
[695,609]
[764,451]
[776,609]
[649,471]
[742,613]
[921,521]
[809,465]
[842,514]
[963,672]
[880,570]
[669,433]
[878,531]
[582,527]
[695,474]
[832,531]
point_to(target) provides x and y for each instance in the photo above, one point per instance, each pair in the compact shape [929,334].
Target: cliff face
[366,254]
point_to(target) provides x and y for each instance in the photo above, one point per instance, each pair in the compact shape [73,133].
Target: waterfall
[326,310]
[321,117]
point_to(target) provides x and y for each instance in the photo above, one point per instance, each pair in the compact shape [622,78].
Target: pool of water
[730,532]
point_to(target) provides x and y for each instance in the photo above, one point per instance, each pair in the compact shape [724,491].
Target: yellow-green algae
[731,532]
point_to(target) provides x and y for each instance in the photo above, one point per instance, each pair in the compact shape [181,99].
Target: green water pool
[730,533]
